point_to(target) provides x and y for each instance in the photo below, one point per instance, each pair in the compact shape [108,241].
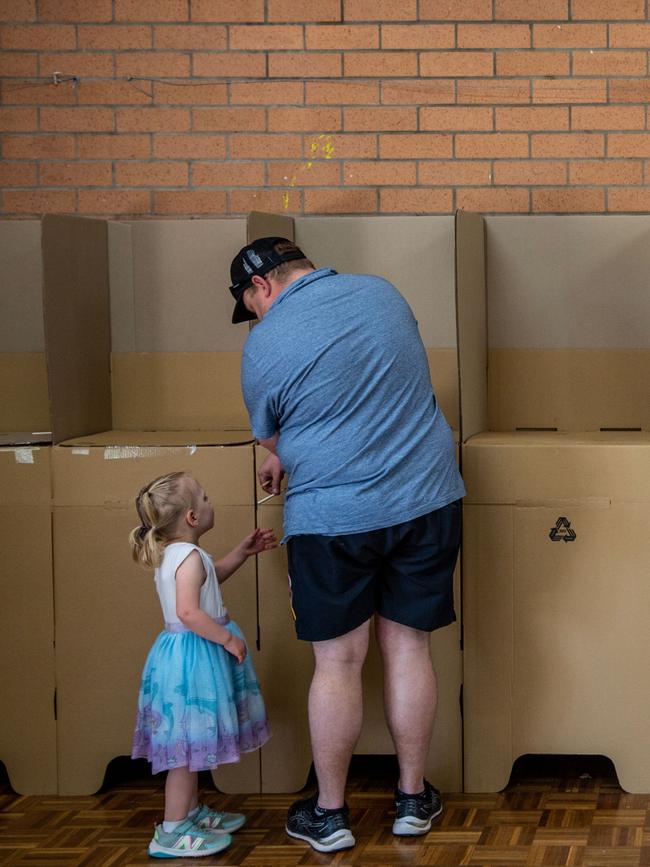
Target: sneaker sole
[158,851]
[339,840]
[412,827]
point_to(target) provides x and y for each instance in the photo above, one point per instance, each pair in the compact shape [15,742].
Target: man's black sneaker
[414,813]
[325,830]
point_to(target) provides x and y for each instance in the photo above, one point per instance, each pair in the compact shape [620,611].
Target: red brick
[20,93]
[205,202]
[379,10]
[265,146]
[40,37]
[615,172]
[417,36]
[77,119]
[75,11]
[226,10]
[76,174]
[274,201]
[526,119]
[629,90]
[342,36]
[629,35]
[194,37]
[628,145]
[609,62]
[303,119]
[456,10]
[39,201]
[18,65]
[535,63]
[489,91]
[454,173]
[17,174]
[570,90]
[81,63]
[342,93]
[348,201]
[17,10]
[454,64]
[151,10]
[608,117]
[273,37]
[341,146]
[529,173]
[228,119]
[492,200]
[532,10]
[453,118]
[599,10]
[374,119]
[375,173]
[380,63]
[194,93]
[630,199]
[267,93]
[112,93]
[493,36]
[38,146]
[416,146]
[147,64]
[570,35]
[304,10]
[152,119]
[168,174]
[114,146]
[491,145]
[120,37]
[18,119]
[308,173]
[228,174]
[116,202]
[562,200]
[229,65]
[567,145]
[299,64]
[418,92]
[416,201]
[193,146]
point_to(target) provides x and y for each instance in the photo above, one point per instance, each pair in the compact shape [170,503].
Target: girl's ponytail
[159,505]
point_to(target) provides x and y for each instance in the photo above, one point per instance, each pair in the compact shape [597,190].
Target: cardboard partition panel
[27,721]
[107,610]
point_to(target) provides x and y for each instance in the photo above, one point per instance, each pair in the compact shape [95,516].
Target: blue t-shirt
[337,366]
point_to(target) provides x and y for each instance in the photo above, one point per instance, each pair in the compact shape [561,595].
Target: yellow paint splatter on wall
[321,147]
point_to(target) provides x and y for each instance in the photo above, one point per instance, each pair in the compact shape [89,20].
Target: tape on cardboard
[121,453]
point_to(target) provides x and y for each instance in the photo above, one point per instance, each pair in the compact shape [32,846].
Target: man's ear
[262,284]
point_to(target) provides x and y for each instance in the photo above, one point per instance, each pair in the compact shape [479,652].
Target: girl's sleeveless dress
[197,706]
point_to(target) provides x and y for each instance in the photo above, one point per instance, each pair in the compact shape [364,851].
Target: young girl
[200,704]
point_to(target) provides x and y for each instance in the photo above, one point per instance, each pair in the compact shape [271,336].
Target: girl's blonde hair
[159,506]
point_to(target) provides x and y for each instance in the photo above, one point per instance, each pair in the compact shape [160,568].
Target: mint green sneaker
[187,841]
[218,823]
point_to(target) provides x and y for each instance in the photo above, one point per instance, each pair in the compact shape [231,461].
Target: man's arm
[270,444]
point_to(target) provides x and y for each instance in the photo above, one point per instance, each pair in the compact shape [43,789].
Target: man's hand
[271,474]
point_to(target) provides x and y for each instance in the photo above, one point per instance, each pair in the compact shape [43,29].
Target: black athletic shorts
[404,572]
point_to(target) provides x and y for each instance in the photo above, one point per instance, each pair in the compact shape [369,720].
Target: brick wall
[210,107]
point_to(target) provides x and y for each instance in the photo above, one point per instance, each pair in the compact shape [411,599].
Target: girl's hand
[260,540]
[236,647]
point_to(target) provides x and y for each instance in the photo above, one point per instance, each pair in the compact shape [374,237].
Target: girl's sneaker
[414,813]
[187,841]
[218,823]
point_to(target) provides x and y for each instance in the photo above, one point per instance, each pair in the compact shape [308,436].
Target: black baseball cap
[257,258]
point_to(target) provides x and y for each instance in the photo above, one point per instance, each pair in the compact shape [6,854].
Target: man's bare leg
[335,710]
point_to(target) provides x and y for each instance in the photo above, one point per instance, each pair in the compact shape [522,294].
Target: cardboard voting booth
[555,420]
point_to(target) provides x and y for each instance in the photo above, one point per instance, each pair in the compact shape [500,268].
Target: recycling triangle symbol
[562,531]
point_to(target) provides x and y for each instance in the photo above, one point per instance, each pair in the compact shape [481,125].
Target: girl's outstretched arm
[259,540]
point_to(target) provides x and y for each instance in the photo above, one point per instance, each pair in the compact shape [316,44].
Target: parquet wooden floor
[548,815]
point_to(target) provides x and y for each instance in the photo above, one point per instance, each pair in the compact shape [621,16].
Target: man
[336,382]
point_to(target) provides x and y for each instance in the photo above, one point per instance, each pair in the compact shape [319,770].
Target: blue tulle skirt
[197,707]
